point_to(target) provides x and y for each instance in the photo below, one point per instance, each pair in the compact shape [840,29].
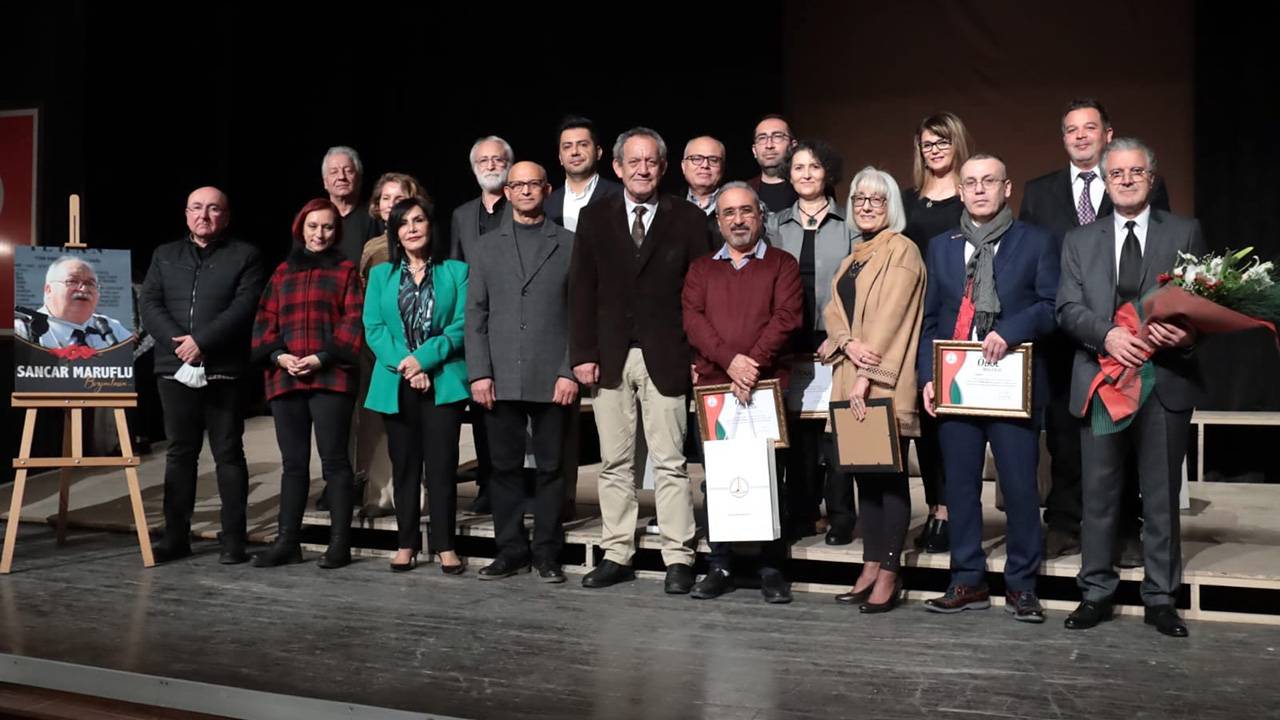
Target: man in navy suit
[994,280]
[580,153]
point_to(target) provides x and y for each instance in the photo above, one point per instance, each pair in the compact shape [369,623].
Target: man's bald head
[208,213]
[526,190]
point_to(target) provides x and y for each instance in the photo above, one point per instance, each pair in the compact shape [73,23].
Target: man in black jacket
[198,302]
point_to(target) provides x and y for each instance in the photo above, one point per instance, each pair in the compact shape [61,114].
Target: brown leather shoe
[1060,543]
[960,598]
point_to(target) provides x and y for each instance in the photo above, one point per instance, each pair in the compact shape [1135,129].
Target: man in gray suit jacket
[1106,264]
[518,361]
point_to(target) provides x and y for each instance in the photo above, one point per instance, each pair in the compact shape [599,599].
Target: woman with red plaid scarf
[308,334]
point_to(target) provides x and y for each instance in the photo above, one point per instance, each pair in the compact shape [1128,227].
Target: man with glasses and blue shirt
[769,145]
[67,316]
[703,168]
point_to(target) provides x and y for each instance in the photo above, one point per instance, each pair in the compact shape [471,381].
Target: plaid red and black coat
[311,306]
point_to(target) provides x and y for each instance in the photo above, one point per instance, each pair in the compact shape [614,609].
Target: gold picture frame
[710,400]
[949,356]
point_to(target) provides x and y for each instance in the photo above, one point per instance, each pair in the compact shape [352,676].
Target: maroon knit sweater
[750,311]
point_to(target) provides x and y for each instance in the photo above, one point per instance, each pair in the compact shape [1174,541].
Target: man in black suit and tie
[1060,202]
[627,337]
[580,152]
[517,341]
[1105,264]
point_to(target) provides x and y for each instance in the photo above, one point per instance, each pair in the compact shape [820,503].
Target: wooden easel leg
[69,427]
[135,490]
[19,485]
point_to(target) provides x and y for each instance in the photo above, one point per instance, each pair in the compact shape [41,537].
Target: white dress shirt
[574,202]
[650,207]
[1140,229]
[1097,187]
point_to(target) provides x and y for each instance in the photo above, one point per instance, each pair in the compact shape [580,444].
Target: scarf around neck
[980,270]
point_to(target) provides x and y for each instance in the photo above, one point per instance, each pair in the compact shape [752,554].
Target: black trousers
[423,437]
[886,514]
[505,425]
[929,456]
[217,408]
[841,513]
[773,554]
[806,473]
[295,414]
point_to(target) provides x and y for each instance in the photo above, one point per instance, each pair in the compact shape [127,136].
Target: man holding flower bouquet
[1106,266]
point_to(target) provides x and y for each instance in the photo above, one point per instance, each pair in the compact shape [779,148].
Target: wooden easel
[74,405]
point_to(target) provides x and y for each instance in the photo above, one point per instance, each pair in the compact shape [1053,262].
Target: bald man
[518,361]
[198,302]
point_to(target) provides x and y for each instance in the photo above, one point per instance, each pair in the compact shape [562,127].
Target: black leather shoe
[163,552]
[337,555]
[870,608]
[839,536]
[1166,620]
[503,568]
[550,572]
[406,566]
[481,506]
[1024,606]
[679,579]
[1088,614]
[233,552]
[715,584]
[855,598]
[1131,553]
[1060,543]
[456,569]
[284,551]
[923,537]
[775,589]
[939,540]
[607,574]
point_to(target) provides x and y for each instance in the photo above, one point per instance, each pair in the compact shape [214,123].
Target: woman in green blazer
[413,322]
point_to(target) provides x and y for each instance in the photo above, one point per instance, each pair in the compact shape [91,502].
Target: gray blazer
[832,245]
[1087,302]
[517,327]
[464,230]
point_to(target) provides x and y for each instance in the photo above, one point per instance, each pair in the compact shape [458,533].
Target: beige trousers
[665,420]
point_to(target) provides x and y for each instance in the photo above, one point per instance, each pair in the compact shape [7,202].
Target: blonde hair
[408,183]
[947,126]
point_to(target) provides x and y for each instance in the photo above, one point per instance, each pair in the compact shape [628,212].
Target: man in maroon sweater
[740,307]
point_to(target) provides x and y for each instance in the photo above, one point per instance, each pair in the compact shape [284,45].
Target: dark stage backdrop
[138,107]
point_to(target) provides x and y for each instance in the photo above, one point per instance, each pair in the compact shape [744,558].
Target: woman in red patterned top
[308,334]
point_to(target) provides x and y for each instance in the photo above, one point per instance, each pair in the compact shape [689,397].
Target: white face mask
[192,376]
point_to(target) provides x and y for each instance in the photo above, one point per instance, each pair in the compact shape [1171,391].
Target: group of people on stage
[540,294]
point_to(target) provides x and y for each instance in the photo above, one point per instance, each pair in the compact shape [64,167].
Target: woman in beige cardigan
[873,325]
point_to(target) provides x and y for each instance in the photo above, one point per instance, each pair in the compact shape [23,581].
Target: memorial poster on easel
[72,320]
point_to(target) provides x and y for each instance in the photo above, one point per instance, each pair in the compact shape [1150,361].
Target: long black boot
[286,550]
[341,497]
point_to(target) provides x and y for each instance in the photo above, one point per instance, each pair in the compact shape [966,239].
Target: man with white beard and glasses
[491,158]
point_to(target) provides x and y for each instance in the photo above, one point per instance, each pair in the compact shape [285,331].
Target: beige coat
[888,312]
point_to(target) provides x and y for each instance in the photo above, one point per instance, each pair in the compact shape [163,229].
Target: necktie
[1129,279]
[1084,209]
[637,227]
[78,338]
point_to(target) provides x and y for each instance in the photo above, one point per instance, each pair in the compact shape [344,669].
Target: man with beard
[342,172]
[769,144]
[579,152]
[740,307]
[67,316]
[491,157]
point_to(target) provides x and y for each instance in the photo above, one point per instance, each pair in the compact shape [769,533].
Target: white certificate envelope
[742,490]
[810,393]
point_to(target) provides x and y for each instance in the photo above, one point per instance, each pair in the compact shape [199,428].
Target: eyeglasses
[930,146]
[778,138]
[711,160]
[1138,174]
[213,210]
[746,213]
[494,160]
[517,186]
[874,201]
[80,284]
[989,183]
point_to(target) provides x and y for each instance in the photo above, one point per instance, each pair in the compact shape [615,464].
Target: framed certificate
[721,416]
[810,392]
[966,384]
[869,445]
